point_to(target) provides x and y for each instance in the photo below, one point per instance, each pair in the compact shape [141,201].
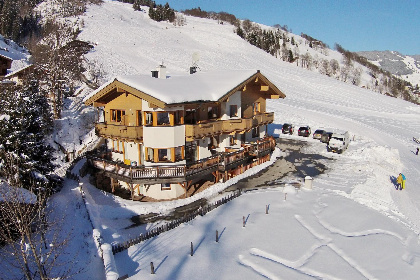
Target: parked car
[326,136]
[287,128]
[338,142]
[304,131]
[318,133]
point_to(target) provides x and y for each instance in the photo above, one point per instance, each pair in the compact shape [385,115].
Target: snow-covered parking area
[346,227]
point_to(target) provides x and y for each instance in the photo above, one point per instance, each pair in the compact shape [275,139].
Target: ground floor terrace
[136,182]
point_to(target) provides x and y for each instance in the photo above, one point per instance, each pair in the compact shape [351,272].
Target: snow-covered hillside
[407,67]
[372,229]
[354,224]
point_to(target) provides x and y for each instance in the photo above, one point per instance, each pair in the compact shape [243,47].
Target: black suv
[304,131]
[287,128]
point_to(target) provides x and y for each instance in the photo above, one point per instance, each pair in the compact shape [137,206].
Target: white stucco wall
[155,191]
[234,99]
[164,137]
[203,150]
[131,152]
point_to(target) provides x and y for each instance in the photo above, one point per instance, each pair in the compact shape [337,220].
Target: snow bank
[109,262]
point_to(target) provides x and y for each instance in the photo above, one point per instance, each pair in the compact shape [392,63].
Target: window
[163,118]
[149,119]
[256,108]
[159,118]
[164,154]
[190,116]
[212,112]
[256,132]
[233,111]
[149,155]
[232,140]
[179,117]
[165,187]
[117,115]
[139,118]
[179,155]
[117,146]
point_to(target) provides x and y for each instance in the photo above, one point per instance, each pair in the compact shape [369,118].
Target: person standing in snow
[399,182]
[403,181]
[417,151]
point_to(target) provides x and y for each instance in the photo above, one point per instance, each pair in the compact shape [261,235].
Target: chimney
[160,72]
[193,69]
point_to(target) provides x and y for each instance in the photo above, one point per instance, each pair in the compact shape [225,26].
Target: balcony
[181,173]
[209,128]
[134,133]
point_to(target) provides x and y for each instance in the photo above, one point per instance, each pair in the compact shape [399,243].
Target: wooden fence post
[217,236]
[192,249]
[266,209]
[243,221]
[152,268]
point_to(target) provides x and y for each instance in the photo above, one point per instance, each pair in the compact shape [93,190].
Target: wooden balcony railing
[205,166]
[208,128]
[119,131]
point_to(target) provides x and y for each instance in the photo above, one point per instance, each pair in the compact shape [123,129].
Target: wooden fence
[116,248]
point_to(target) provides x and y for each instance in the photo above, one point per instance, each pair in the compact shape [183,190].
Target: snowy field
[353,224]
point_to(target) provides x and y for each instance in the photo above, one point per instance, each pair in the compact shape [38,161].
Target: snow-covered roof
[6,57]
[18,71]
[201,86]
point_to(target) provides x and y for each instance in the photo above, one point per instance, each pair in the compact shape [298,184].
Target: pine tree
[24,155]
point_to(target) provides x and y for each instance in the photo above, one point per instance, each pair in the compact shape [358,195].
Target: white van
[338,142]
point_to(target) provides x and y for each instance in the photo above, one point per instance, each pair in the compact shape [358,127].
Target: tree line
[279,42]
[381,80]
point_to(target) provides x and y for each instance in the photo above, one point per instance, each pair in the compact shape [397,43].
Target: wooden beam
[98,104]
[264,88]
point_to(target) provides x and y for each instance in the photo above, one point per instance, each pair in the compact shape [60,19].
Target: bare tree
[306,60]
[247,25]
[32,239]
[335,66]
[356,76]
[324,67]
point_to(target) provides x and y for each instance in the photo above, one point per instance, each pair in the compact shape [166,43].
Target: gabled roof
[27,67]
[211,86]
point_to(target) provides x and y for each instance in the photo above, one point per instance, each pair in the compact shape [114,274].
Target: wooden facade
[163,148]
[5,64]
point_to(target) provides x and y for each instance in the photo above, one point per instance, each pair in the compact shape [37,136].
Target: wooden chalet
[19,75]
[165,133]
